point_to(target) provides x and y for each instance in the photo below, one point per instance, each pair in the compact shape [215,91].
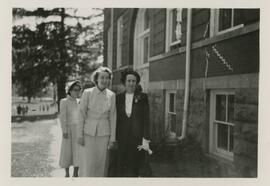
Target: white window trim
[212,129]
[167,108]
[139,36]
[214,24]
[109,48]
[119,42]
[169,24]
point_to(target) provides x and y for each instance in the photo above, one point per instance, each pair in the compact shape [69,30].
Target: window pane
[231,139]
[221,107]
[146,20]
[145,49]
[172,121]
[225,19]
[171,106]
[174,21]
[231,108]
[238,17]
[222,136]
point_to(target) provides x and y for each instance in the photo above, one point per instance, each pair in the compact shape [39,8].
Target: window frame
[213,148]
[167,109]
[140,34]
[119,41]
[109,48]
[169,25]
[214,21]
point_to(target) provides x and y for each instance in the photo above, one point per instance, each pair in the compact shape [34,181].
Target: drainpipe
[112,15]
[111,65]
[187,77]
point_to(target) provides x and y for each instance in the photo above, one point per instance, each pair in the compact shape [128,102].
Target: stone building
[222,110]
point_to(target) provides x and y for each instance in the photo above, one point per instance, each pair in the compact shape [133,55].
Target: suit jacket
[68,112]
[97,113]
[138,121]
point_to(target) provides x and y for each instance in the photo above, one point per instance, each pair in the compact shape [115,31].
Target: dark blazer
[139,118]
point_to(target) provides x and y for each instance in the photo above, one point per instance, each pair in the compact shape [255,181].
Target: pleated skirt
[94,156]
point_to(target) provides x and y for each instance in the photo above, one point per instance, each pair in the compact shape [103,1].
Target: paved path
[35,149]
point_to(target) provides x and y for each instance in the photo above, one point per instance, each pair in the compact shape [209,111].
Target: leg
[67,172]
[75,171]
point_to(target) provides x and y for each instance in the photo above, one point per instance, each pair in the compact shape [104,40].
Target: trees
[55,49]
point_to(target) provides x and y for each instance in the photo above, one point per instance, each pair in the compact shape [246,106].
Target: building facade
[224,75]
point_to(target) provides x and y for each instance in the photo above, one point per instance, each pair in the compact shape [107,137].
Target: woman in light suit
[97,125]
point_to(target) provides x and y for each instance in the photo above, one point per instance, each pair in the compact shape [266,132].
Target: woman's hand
[65,135]
[112,145]
[81,141]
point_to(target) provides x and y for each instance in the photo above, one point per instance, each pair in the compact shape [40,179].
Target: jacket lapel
[123,102]
[134,104]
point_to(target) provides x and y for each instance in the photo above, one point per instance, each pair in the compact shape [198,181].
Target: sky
[32,21]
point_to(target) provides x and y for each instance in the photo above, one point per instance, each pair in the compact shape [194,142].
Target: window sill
[122,68]
[229,29]
[141,66]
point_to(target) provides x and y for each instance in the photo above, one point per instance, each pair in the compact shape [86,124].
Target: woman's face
[131,83]
[75,92]
[103,80]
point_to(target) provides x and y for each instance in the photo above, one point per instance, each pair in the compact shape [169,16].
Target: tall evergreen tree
[54,50]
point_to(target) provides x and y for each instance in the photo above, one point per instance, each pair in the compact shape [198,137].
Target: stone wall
[157,119]
[246,131]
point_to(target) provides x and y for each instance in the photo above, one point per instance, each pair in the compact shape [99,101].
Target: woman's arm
[112,119]
[63,115]
[82,113]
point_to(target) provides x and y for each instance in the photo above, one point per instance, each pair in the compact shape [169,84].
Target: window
[109,48]
[119,41]
[225,20]
[222,124]
[142,38]
[173,31]
[141,48]
[171,112]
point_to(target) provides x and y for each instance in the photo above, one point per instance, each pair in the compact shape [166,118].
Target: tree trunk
[61,81]
[61,91]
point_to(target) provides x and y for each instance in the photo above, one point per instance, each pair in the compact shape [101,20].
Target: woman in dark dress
[132,131]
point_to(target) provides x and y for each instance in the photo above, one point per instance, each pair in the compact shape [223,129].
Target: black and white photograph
[135,92]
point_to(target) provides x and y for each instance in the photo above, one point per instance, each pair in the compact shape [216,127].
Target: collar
[129,94]
[71,98]
[98,91]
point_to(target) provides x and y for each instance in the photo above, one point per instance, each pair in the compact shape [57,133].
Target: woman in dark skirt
[132,131]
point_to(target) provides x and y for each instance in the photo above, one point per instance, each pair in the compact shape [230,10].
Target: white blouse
[129,100]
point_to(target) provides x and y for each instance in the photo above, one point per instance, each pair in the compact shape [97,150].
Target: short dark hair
[98,71]
[128,72]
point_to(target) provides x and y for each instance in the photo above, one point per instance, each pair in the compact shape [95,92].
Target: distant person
[69,120]
[43,108]
[19,109]
[47,107]
[26,109]
[23,112]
